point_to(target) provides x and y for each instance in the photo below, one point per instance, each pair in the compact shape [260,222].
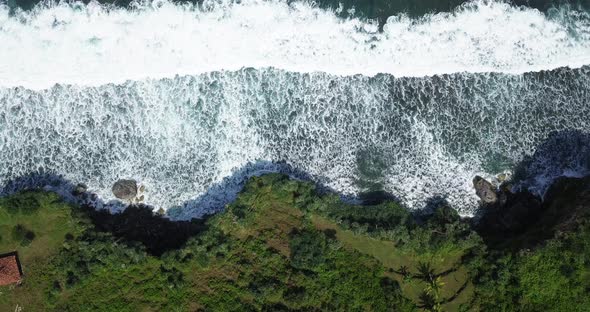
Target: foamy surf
[91,45]
[191,140]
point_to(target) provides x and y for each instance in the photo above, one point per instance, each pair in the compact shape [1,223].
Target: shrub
[23,235]
[387,216]
[140,224]
[307,249]
[552,277]
[25,203]
[445,215]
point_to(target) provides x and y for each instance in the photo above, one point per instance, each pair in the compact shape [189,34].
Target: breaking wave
[417,138]
[91,45]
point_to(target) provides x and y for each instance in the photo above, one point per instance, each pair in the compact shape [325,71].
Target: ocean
[191,98]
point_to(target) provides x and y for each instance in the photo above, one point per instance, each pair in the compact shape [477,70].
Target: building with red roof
[10,269]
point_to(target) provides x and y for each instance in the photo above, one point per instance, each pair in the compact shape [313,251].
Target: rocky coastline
[523,218]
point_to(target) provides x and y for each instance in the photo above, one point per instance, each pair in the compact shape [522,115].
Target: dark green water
[373,9]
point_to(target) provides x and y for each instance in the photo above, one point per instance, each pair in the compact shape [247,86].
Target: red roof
[10,269]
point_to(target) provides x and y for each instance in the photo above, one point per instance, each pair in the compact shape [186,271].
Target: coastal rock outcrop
[79,189]
[512,215]
[125,189]
[485,190]
[525,219]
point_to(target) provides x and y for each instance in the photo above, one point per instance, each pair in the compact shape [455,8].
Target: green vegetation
[23,235]
[35,224]
[554,277]
[281,247]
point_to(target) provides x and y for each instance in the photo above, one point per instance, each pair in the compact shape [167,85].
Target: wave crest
[96,44]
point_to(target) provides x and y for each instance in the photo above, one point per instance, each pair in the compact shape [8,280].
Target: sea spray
[95,44]
[417,138]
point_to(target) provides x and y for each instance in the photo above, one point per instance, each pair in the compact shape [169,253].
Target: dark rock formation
[523,220]
[125,189]
[510,216]
[79,189]
[485,190]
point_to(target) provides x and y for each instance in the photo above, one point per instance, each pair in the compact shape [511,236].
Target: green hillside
[282,247]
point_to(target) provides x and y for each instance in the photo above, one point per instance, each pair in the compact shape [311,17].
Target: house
[10,269]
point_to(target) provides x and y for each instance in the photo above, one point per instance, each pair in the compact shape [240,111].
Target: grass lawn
[393,258]
[50,220]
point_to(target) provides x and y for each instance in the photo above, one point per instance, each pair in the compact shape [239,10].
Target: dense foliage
[280,247]
[553,277]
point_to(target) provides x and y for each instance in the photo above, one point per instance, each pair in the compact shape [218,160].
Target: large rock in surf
[485,190]
[125,189]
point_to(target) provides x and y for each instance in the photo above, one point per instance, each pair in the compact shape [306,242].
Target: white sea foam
[191,140]
[93,45]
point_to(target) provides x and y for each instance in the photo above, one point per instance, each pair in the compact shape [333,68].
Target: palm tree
[428,302]
[405,273]
[426,272]
[435,287]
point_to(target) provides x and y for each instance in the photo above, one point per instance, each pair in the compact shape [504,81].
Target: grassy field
[267,251]
[50,220]
[393,258]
